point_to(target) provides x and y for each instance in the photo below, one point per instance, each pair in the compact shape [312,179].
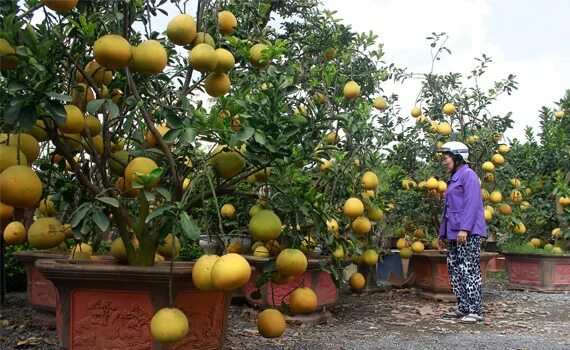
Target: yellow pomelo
[74,122]
[332,226]
[118,250]
[417,247]
[228,211]
[217,84]
[374,213]
[38,131]
[60,5]
[515,196]
[81,249]
[488,167]
[353,207]
[93,124]
[203,38]
[255,56]
[141,165]
[370,257]
[6,211]
[361,225]
[497,159]
[202,272]
[441,186]
[169,325]
[401,243]
[165,249]
[181,30]
[14,233]
[10,156]
[496,197]
[449,109]
[26,143]
[357,281]
[416,112]
[370,180]
[81,96]
[230,271]
[227,164]
[227,22]
[261,251]
[504,149]
[519,229]
[115,166]
[432,183]
[444,129]
[45,233]
[100,75]
[226,61]
[271,323]
[505,209]
[203,58]
[406,253]
[265,225]
[149,57]
[351,90]
[291,262]
[151,140]
[303,301]
[112,51]
[20,187]
[380,103]
[8,58]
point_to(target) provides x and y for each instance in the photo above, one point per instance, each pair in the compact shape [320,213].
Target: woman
[462,229]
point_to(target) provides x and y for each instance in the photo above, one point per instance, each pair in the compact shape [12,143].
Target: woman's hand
[441,245]
[462,237]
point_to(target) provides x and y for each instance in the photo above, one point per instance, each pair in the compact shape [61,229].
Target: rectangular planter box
[543,273]
[107,306]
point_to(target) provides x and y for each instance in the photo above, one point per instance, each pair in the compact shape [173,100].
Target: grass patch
[523,248]
[496,275]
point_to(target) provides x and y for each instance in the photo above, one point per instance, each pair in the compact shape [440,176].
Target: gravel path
[395,319]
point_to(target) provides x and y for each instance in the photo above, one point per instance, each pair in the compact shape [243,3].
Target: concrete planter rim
[535,256]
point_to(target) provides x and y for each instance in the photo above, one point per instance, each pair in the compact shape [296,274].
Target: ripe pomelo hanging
[60,6]
[14,233]
[27,144]
[100,75]
[226,61]
[10,156]
[353,207]
[417,247]
[217,84]
[74,122]
[151,140]
[265,225]
[6,211]
[149,57]
[81,95]
[141,165]
[370,180]
[227,164]
[20,187]
[357,281]
[271,323]
[165,249]
[361,225]
[291,262]
[227,22]
[255,56]
[47,207]
[203,38]
[370,257]
[351,90]
[169,325]
[112,51]
[230,271]
[202,272]
[45,233]
[303,301]
[8,58]
[181,30]
[203,58]
[228,211]
[93,124]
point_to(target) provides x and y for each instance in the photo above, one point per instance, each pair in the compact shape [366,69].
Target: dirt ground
[394,319]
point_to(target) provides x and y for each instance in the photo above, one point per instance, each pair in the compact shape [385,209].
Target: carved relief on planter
[545,273]
[528,272]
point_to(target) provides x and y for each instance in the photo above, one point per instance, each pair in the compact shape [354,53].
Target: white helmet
[456,148]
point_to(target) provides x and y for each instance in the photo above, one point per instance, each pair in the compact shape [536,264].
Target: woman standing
[462,229]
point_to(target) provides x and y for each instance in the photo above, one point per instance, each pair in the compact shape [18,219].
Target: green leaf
[164,192]
[12,112]
[256,294]
[157,212]
[245,133]
[86,227]
[261,280]
[112,108]
[259,138]
[189,228]
[79,214]
[16,86]
[151,177]
[188,135]
[149,196]
[27,117]
[108,200]
[61,97]
[171,135]
[57,112]
[93,106]
[101,220]
[270,266]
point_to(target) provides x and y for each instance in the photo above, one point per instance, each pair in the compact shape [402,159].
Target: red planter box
[496,264]
[42,294]
[543,273]
[431,277]
[105,305]
[272,294]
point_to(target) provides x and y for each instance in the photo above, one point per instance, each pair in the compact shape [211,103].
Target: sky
[528,38]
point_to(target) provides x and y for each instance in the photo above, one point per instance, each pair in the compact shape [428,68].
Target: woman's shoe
[471,318]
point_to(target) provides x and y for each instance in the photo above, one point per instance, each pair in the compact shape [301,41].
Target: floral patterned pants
[463,265]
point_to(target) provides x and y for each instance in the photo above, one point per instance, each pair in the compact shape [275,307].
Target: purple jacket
[464,203]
